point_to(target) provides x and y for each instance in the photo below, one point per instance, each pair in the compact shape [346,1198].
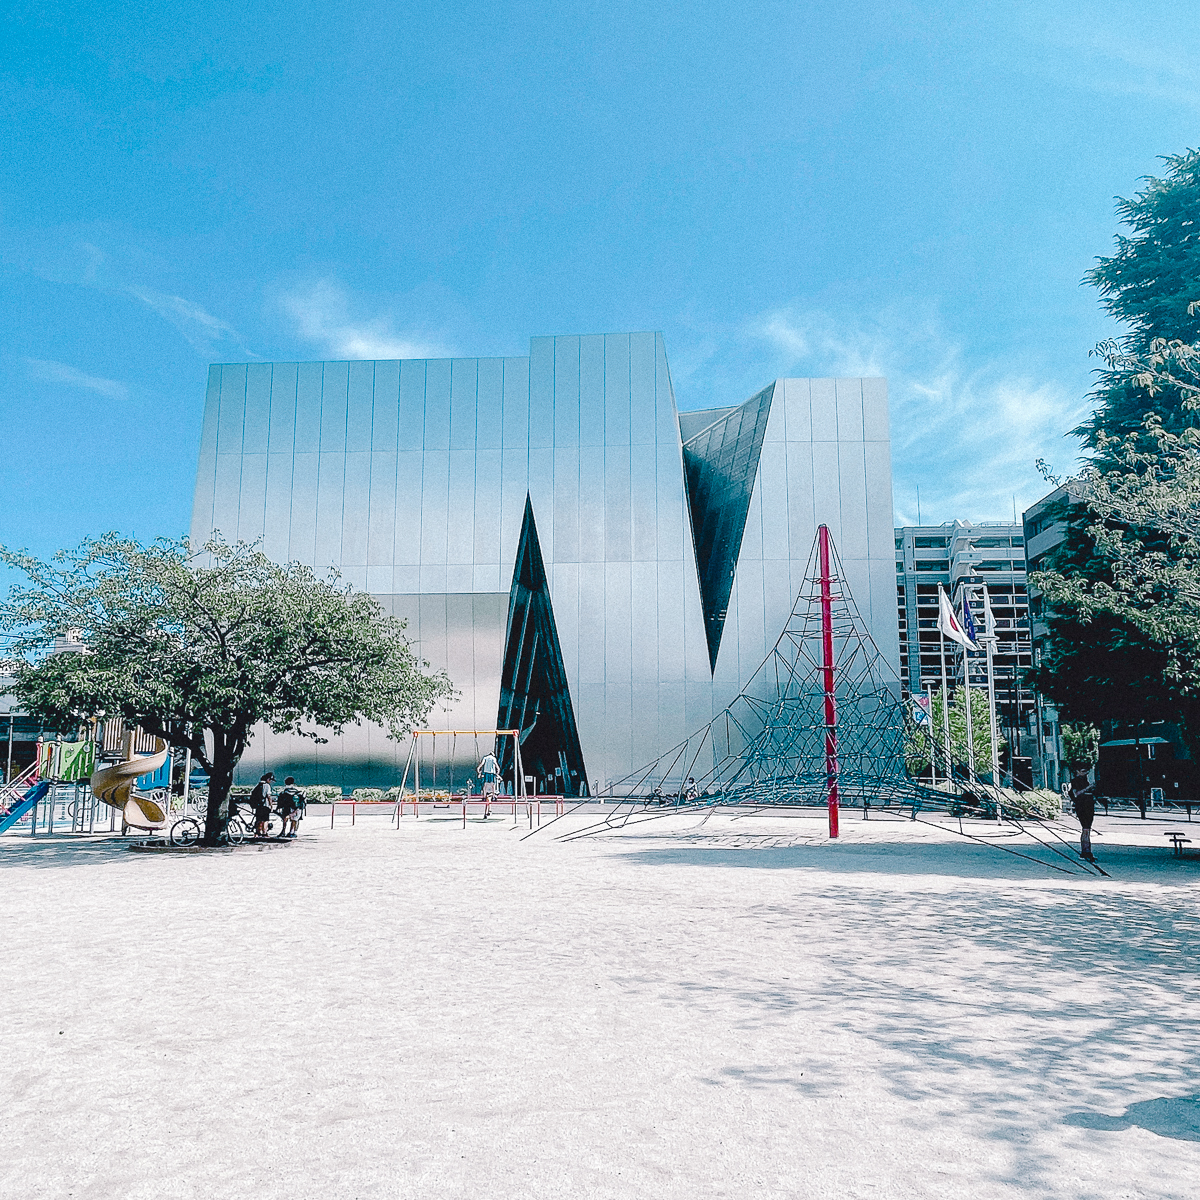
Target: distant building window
[929,543]
[940,565]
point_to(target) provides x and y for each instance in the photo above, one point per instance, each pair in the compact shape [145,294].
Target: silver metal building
[589,564]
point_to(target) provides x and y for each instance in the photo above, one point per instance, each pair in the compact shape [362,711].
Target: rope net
[769,745]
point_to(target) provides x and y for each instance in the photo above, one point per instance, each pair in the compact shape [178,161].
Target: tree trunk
[220,780]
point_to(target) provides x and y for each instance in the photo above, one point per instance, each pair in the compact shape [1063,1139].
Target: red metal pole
[831,761]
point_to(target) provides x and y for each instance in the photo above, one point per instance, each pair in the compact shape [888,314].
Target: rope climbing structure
[820,722]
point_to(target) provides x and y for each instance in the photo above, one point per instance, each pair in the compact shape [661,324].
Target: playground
[736,1006]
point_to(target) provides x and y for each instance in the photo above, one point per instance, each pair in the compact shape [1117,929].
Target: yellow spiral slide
[114,785]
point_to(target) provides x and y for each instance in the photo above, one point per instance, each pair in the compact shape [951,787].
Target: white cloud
[55,372]
[321,312]
[1127,53]
[967,435]
[201,329]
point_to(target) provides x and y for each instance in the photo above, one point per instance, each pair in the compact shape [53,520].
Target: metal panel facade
[411,479]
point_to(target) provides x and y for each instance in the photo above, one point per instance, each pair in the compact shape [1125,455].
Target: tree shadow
[62,850]
[1169,1116]
[962,861]
[1030,1001]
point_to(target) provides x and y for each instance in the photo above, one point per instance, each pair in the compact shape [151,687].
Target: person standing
[489,771]
[290,806]
[1083,800]
[260,800]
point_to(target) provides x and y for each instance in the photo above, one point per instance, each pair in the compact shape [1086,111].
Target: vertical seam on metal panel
[267,455]
[370,479]
[421,507]
[292,472]
[242,451]
[867,508]
[345,473]
[320,468]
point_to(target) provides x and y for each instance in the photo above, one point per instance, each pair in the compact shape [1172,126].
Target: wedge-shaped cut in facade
[721,463]
[535,697]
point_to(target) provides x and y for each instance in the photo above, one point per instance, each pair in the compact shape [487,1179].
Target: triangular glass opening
[721,462]
[534,696]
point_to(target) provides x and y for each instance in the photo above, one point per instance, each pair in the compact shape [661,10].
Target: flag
[920,709]
[989,621]
[948,623]
[968,621]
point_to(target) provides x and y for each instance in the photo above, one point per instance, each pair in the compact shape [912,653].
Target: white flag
[989,621]
[948,623]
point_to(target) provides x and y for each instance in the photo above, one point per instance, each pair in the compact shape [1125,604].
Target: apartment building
[956,554]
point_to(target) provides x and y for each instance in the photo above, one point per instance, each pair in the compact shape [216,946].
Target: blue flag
[968,621]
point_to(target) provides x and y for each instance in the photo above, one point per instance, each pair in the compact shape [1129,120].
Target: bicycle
[241,828]
[187,831]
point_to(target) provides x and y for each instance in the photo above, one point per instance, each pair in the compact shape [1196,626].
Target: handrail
[23,780]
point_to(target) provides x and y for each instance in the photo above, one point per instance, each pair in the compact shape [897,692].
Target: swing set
[446,797]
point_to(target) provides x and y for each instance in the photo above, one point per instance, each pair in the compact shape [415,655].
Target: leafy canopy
[1151,285]
[1141,524]
[1122,643]
[182,641]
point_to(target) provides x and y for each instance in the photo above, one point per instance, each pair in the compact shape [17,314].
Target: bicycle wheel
[274,825]
[185,832]
[236,832]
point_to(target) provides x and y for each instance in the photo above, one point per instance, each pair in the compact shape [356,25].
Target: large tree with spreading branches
[1119,645]
[200,646]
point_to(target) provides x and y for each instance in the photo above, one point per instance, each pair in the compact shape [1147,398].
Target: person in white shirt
[489,771]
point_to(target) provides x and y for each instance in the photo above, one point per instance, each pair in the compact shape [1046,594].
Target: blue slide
[23,805]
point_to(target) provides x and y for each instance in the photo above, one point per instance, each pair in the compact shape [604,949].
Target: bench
[1177,841]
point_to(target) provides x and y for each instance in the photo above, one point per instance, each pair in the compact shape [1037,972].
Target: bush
[322,793]
[1040,802]
[368,795]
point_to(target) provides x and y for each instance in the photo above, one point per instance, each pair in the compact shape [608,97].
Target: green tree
[1105,656]
[1137,600]
[1081,746]
[199,647]
[918,750]
[1150,285]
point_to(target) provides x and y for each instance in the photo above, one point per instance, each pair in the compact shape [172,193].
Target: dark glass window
[721,462]
[534,696]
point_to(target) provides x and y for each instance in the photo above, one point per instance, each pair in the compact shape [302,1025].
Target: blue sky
[911,189]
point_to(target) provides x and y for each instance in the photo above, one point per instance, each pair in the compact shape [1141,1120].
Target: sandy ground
[738,1008]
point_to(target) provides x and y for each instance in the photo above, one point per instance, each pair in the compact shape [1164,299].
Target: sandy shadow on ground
[62,851]
[967,861]
[960,860]
[1169,1116]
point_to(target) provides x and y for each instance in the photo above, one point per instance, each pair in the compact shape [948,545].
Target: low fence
[510,805]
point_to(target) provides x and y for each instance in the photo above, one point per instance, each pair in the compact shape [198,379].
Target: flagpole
[945,699]
[932,738]
[971,774]
[989,627]
[992,718]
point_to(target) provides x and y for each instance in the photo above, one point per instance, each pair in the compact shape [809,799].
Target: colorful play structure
[114,786]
